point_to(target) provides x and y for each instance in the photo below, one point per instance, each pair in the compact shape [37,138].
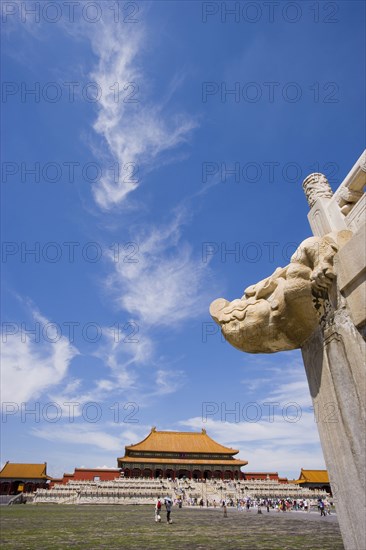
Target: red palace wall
[260,475]
[82,474]
[85,474]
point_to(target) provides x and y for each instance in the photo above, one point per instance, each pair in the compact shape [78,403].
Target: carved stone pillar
[334,356]
[334,363]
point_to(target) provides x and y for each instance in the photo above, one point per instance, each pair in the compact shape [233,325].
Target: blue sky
[131,212]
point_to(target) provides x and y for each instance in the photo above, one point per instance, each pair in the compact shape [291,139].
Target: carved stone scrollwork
[316,186]
[282,311]
[347,198]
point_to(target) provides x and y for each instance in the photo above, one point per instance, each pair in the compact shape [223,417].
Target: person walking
[225,508]
[322,508]
[168,506]
[158,510]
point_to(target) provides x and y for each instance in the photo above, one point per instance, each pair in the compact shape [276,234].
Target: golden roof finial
[153,429]
[204,431]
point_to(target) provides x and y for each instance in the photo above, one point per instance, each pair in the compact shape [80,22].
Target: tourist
[225,508]
[321,508]
[168,506]
[158,510]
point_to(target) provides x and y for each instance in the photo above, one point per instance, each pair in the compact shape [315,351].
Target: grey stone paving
[133,527]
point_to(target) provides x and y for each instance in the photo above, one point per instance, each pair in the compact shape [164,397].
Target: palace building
[180,454]
[21,478]
[314,479]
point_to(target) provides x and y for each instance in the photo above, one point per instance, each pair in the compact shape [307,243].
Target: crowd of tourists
[324,506]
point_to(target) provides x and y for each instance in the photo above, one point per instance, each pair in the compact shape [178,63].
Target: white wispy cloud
[135,383]
[167,285]
[104,441]
[120,377]
[136,129]
[135,433]
[30,366]
[168,382]
[283,380]
[124,348]
[292,392]
[286,427]
[79,434]
[291,386]
[287,461]
[72,397]
[126,379]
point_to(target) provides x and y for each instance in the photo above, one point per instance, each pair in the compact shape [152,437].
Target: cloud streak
[135,129]
[167,284]
[80,434]
[28,368]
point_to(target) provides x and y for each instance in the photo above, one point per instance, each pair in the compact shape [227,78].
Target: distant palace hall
[180,454]
[18,478]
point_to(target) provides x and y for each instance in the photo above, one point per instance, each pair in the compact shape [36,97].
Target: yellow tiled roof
[313,476]
[181,461]
[180,442]
[24,471]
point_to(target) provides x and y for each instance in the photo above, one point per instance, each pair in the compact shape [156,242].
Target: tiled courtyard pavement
[133,527]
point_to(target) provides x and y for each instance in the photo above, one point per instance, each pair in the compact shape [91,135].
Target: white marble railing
[127,491]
